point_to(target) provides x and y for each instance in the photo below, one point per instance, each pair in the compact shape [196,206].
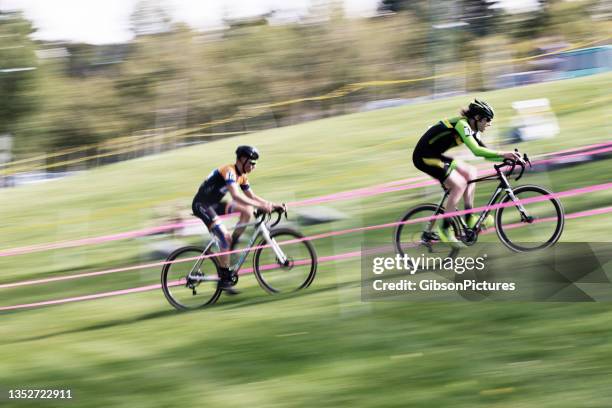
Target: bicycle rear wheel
[189,281]
[416,236]
[537,225]
[297,273]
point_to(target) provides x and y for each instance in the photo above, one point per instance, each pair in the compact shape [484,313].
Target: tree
[481,15]
[395,6]
[17,70]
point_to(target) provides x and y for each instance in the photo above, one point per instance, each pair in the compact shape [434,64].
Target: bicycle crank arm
[204,279]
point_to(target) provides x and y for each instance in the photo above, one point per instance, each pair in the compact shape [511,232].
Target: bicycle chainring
[234,279]
[470,237]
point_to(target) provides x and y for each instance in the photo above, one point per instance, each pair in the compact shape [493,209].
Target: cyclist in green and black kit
[428,156]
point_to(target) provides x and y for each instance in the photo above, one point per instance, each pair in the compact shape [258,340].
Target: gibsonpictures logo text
[574,272]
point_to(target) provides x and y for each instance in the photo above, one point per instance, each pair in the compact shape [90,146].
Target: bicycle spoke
[294,269]
[420,238]
[189,282]
[530,226]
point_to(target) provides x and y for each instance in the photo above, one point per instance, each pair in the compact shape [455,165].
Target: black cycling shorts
[437,166]
[209,213]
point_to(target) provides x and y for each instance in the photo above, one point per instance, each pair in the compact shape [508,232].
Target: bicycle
[522,227]
[190,276]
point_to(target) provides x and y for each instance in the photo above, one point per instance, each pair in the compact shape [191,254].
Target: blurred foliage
[18,69]
[150,17]
[173,77]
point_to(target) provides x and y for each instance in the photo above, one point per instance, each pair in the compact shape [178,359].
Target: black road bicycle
[521,225]
[190,279]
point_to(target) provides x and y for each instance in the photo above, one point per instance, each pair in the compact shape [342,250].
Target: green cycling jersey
[449,133]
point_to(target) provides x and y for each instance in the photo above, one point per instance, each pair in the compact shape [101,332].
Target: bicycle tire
[168,272]
[412,214]
[502,231]
[272,284]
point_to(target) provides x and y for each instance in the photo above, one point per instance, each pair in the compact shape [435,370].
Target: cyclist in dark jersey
[208,204]
[429,157]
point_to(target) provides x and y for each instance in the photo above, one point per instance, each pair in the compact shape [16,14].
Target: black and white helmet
[480,108]
[247,151]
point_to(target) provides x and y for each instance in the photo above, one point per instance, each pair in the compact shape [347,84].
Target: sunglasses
[253,163]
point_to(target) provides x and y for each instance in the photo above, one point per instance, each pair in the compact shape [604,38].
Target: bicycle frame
[261,230]
[515,198]
[504,185]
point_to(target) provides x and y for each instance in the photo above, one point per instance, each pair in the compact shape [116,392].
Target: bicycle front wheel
[528,226]
[190,281]
[296,273]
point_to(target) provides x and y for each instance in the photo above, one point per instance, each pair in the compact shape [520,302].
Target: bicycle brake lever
[279,215]
[513,164]
[521,173]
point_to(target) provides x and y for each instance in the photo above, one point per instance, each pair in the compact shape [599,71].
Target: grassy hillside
[322,346]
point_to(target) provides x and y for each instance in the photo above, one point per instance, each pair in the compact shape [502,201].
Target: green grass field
[322,346]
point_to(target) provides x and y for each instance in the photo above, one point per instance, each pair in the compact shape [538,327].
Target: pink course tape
[392,186]
[81,298]
[567,193]
[147,288]
[158,286]
[586,213]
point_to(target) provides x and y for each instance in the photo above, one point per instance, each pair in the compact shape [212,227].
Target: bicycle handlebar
[513,163]
[267,217]
[279,213]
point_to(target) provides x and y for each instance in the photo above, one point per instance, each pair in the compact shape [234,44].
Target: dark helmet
[247,151]
[480,108]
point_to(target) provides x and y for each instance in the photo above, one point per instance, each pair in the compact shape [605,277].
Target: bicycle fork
[524,216]
[280,256]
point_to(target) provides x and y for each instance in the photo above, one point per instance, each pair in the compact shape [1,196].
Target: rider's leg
[246,211]
[469,173]
[210,218]
[208,214]
[456,184]
[225,242]
[442,169]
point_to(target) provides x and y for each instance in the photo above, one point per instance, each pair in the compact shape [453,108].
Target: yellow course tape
[243,113]
[149,143]
[45,156]
[108,212]
[249,112]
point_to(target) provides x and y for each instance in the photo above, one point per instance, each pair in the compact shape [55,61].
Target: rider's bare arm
[241,198]
[262,203]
